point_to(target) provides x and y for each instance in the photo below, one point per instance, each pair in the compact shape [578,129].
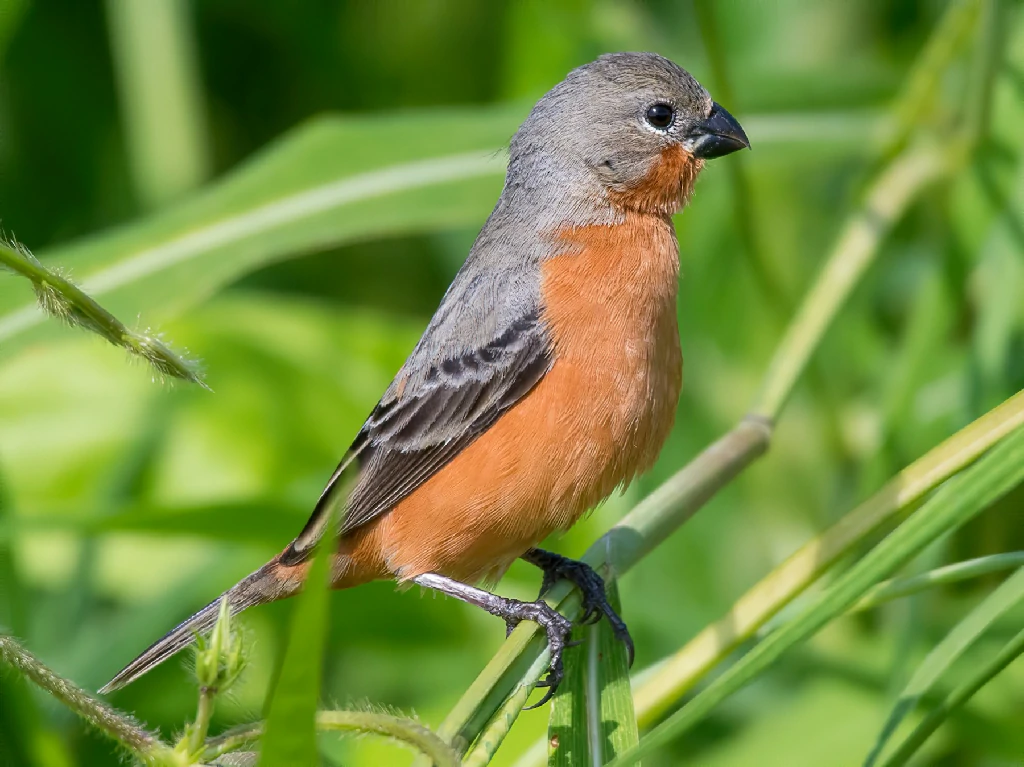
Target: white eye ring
[660,116]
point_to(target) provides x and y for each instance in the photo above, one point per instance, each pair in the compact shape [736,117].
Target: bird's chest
[610,307]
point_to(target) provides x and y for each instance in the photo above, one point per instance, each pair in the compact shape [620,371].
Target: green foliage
[592,719]
[290,736]
[336,180]
[945,653]
[857,277]
[954,505]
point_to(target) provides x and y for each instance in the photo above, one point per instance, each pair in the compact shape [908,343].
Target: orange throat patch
[667,186]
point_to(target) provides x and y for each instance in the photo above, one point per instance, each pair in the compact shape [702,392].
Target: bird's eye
[660,115]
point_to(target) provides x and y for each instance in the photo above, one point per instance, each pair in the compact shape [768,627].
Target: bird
[547,378]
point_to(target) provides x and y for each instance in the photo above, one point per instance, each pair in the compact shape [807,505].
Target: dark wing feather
[416,429]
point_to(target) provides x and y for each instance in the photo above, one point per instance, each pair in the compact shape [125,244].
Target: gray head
[631,128]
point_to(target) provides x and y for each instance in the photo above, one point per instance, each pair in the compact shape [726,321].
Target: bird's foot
[591,586]
[513,612]
[555,625]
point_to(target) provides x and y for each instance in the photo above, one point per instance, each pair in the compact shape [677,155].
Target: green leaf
[608,665]
[941,576]
[330,182]
[938,661]
[326,183]
[568,736]
[1010,652]
[592,718]
[290,738]
[955,503]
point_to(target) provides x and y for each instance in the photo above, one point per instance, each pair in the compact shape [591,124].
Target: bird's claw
[591,585]
[555,625]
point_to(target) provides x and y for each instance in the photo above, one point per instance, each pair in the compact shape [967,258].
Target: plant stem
[922,85]
[397,728]
[858,244]
[494,735]
[61,298]
[743,198]
[201,726]
[120,727]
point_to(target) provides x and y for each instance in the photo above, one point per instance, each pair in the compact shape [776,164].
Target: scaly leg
[512,611]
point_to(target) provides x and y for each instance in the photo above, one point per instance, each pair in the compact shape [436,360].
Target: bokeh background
[127,503]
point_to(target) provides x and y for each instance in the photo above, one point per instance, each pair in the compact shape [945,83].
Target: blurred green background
[125,504]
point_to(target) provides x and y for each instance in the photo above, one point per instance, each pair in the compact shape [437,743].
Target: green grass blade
[329,182]
[155,63]
[945,654]
[290,737]
[616,730]
[941,576]
[1011,652]
[958,501]
[568,733]
[592,718]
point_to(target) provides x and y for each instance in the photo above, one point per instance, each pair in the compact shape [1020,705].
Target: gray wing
[423,422]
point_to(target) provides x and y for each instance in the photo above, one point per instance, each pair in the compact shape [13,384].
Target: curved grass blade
[955,503]
[940,576]
[331,181]
[1009,594]
[1011,652]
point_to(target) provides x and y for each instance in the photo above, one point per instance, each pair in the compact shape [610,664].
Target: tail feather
[267,584]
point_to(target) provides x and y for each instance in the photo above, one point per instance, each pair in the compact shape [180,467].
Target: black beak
[719,134]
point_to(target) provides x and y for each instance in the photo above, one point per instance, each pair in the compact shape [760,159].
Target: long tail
[271,582]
